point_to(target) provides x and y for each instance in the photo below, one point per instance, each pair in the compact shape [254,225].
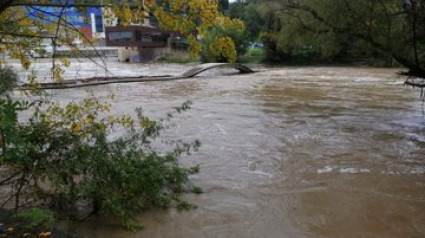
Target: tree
[236,9]
[391,28]
[209,51]
[198,17]
[223,5]
[253,21]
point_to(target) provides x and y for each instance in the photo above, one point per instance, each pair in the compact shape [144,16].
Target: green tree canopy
[392,29]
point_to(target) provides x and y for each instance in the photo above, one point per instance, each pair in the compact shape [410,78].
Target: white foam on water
[417,170]
[326,169]
[346,170]
[412,171]
[353,171]
[260,173]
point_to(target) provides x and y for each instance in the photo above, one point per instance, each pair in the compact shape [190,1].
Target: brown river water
[287,152]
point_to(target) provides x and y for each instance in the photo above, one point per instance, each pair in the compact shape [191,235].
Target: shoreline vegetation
[71,150]
[34,224]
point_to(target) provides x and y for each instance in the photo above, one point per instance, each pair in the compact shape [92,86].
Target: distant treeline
[385,33]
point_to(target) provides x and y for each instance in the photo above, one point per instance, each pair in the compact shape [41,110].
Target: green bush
[37,218]
[64,155]
[252,56]
[208,54]
[8,80]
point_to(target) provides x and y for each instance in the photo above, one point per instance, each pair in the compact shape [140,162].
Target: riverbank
[13,226]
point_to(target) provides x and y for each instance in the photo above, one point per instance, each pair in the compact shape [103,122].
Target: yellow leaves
[146,123]
[11,230]
[196,17]
[33,84]
[87,118]
[50,27]
[232,24]
[125,14]
[26,22]
[111,120]
[65,62]
[116,11]
[44,234]
[138,15]
[3,49]
[126,121]
[77,128]
[57,73]
[195,47]
[102,128]
[25,62]
[225,47]
[184,16]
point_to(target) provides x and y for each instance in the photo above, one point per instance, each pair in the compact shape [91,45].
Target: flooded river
[288,152]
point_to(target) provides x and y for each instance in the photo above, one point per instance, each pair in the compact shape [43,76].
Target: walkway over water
[78,83]
[204,67]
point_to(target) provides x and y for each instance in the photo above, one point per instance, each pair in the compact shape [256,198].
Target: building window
[99,23]
[143,36]
[120,36]
[159,37]
[146,39]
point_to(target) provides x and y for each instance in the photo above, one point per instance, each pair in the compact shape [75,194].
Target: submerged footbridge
[78,83]
[204,67]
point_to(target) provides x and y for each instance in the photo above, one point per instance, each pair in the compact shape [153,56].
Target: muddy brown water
[289,152]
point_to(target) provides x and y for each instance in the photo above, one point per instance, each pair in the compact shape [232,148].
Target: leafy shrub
[8,80]
[210,49]
[37,217]
[62,155]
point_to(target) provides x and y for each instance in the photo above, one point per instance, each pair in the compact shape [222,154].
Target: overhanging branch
[414,68]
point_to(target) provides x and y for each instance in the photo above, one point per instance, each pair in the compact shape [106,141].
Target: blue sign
[71,15]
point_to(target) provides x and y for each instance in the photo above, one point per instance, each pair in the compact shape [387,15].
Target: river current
[287,152]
